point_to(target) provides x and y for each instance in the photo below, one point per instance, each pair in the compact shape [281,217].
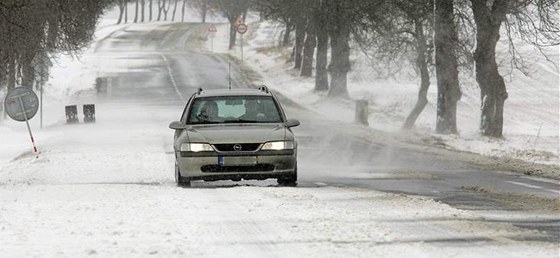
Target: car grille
[248,168]
[231,147]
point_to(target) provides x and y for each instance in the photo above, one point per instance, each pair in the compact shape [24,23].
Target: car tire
[288,180]
[181,181]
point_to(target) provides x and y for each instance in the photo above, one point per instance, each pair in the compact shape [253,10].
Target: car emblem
[237,147]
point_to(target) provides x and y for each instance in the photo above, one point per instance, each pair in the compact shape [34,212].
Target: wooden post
[362,112]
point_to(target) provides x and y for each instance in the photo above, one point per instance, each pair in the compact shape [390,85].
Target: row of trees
[32,30]
[143,6]
[144,11]
[415,30]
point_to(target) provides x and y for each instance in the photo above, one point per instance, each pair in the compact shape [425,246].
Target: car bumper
[235,166]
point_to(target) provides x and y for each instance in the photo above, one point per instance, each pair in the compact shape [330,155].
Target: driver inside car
[209,112]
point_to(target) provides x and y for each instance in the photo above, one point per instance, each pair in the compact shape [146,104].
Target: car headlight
[196,147]
[281,145]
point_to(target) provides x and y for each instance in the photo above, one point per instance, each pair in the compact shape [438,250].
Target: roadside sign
[212,28]
[21,104]
[242,28]
[239,21]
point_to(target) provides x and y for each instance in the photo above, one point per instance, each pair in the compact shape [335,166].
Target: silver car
[234,135]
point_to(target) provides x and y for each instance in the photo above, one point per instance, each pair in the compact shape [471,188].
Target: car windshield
[234,109]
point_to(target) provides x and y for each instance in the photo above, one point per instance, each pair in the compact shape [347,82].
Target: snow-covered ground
[107,189]
[531,117]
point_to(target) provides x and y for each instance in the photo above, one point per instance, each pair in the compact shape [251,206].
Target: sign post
[212,29]
[21,105]
[41,113]
[242,29]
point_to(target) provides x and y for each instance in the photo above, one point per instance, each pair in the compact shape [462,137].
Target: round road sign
[242,28]
[21,103]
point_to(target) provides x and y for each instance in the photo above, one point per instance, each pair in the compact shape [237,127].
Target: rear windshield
[234,109]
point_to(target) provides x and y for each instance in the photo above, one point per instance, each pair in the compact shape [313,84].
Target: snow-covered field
[107,189]
[531,117]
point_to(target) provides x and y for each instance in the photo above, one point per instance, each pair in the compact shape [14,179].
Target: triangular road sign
[212,28]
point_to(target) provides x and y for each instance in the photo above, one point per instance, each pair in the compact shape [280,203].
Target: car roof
[232,92]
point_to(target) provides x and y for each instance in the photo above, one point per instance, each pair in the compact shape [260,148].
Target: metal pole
[241,47]
[212,40]
[27,123]
[41,114]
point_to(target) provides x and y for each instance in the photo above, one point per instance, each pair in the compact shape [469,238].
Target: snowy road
[107,188]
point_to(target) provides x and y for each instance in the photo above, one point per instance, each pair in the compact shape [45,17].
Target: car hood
[237,133]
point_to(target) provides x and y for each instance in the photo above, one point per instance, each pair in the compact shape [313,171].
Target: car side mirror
[292,123]
[176,125]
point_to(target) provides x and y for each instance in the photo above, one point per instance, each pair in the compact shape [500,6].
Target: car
[234,134]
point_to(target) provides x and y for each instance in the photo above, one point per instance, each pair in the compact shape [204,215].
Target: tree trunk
[150,7]
[125,11]
[143,3]
[339,33]
[421,63]
[121,12]
[300,36]
[136,12]
[232,34]
[27,70]
[204,16]
[308,50]
[161,5]
[287,32]
[321,74]
[174,11]
[12,68]
[183,11]
[203,12]
[492,86]
[166,6]
[446,67]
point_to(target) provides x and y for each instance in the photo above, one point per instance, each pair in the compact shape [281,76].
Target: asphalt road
[328,156]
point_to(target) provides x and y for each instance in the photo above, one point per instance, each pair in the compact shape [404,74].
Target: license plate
[233,160]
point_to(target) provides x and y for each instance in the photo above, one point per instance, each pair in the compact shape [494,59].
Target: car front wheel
[181,181]
[290,180]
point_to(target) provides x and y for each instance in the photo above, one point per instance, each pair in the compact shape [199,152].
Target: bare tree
[143,4]
[339,33]
[300,20]
[34,29]
[136,12]
[233,9]
[183,11]
[309,45]
[203,6]
[122,5]
[174,11]
[282,11]
[161,8]
[166,8]
[533,21]
[150,7]
[447,73]
[125,11]
[321,74]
